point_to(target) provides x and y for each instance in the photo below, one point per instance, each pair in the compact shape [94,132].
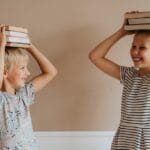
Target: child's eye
[22,68]
[133,47]
[142,48]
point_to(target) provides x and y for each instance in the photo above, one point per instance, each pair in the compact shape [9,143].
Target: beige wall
[80,97]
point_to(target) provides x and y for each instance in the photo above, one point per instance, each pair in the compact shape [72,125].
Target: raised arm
[46,67]
[98,54]
[2,53]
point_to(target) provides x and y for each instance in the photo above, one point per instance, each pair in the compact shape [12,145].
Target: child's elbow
[91,56]
[53,73]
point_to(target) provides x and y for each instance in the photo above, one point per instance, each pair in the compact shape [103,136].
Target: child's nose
[28,73]
[136,51]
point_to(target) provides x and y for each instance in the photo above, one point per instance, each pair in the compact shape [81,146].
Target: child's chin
[137,65]
[21,85]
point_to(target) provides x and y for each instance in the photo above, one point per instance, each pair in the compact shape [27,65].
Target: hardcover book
[17,37]
[138,21]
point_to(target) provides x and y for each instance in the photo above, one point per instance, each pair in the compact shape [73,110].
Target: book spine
[19,29]
[17,45]
[16,34]
[18,40]
[137,27]
[139,21]
[137,15]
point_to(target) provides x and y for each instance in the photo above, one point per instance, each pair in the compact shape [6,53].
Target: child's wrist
[2,44]
[31,48]
[122,32]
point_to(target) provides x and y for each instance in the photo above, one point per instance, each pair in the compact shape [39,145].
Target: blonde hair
[142,32]
[14,55]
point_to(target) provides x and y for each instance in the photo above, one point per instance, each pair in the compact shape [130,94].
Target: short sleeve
[126,73]
[27,93]
[1,117]
[1,112]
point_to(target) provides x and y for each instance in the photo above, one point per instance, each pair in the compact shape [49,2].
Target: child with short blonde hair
[14,55]
[16,94]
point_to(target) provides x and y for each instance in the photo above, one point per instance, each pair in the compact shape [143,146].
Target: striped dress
[133,132]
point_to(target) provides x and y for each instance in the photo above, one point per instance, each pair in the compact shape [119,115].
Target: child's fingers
[131,12]
[2,35]
[134,11]
[3,30]
[1,27]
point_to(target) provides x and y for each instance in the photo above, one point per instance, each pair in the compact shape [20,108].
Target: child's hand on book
[2,35]
[123,31]
[30,48]
[132,12]
[126,32]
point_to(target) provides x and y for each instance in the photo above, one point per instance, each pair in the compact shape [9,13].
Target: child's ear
[5,73]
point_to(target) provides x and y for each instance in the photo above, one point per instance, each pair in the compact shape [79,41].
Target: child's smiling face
[140,51]
[17,74]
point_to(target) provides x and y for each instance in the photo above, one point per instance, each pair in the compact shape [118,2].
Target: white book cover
[18,40]
[16,34]
[139,20]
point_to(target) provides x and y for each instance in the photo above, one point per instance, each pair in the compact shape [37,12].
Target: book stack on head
[138,21]
[17,37]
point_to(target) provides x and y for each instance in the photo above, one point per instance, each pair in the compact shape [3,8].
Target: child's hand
[30,48]
[122,27]
[125,32]
[2,35]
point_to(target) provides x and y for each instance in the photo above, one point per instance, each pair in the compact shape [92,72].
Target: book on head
[9,44]
[137,27]
[137,21]
[17,40]
[17,37]
[143,14]
[18,29]
[16,34]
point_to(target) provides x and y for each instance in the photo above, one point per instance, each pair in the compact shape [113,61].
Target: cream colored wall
[80,97]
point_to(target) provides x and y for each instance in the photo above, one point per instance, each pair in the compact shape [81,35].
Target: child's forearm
[102,49]
[45,65]
[2,53]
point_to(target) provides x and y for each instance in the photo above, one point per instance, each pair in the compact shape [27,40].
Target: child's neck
[143,71]
[8,88]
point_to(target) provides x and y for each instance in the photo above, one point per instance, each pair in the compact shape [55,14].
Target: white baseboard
[75,140]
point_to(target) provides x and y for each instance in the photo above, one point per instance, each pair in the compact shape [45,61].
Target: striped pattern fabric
[133,132]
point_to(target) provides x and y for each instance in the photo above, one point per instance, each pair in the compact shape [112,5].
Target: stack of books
[138,21]
[17,37]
